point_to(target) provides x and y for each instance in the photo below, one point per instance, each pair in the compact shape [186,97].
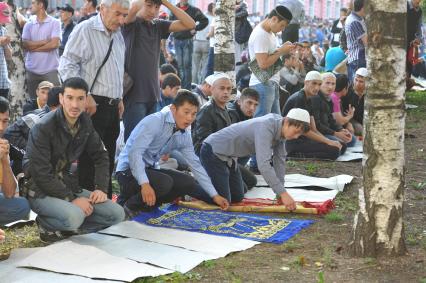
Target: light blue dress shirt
[155,136]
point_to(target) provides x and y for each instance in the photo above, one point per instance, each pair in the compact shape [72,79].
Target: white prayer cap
[313,76]
[218,76]
[299,115]
[363,72]
[209,80]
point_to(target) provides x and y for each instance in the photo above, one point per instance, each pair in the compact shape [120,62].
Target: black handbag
[242,35]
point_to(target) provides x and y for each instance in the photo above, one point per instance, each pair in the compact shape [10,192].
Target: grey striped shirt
[86,48]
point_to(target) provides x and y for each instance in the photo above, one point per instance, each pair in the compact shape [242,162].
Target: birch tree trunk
[16,68]
[224,49]
[378,226]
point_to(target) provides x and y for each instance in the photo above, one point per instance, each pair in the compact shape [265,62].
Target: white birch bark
[224,49]
[378,226]
[16,68]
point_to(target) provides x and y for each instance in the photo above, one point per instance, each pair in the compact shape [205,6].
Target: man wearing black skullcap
[263,48]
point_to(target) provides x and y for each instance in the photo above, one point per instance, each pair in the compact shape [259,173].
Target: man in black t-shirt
[142,34]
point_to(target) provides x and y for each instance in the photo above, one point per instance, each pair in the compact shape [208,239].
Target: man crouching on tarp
[263,136]
[51,184]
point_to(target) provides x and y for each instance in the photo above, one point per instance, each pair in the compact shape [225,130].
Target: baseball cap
[66,8]
[4,13]
[313,76]
[363,72]
[45,84]
[299,115]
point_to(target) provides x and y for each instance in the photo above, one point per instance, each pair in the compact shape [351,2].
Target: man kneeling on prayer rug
[264,136]
[143,185]
[51,183]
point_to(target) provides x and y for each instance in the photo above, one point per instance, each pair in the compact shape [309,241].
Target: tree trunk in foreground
[224,49]
[16,68]
[378,226]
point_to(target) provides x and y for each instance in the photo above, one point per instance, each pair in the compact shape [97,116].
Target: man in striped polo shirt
[356,35]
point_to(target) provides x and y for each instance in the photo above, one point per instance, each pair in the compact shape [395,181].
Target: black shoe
[49,237]
[132,213]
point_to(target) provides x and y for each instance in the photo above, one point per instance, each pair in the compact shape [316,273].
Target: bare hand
[90,105]
[165,157]
[288,201]
[4,40]
[2,235]
[120,109]
[221,201]
[335,144]
[343,135]
[350,112]
[97,196]
[287,47]
[84,204]
[4,148]
[148,194]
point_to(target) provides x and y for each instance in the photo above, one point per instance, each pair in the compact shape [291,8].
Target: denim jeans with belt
[55,214]
[184,48]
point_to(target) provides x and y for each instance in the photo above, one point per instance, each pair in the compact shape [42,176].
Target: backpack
[242,35]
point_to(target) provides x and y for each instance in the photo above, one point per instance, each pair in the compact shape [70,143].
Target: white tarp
[71,258]
[9,272]
[169,257]
[300,181]
[297,194]
[30,219]
[350,156]
[211,244]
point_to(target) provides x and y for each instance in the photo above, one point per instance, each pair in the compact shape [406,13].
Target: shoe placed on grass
[49,237]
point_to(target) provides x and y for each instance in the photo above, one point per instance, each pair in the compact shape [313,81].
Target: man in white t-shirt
[263,47]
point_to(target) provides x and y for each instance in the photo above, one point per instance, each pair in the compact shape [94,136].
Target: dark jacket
[414,23]
[298,100]
[210,119]
[235,113]
[200,19]
[334,30]
[322,112]
[30,106]
[65,34]
[355,101]
[52,149]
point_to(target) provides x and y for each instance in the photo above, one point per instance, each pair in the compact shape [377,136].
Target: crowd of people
[130,91]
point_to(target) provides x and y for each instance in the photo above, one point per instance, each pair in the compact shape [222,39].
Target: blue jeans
[227,181]
[210,62]
[56,214]
[134,113]
[269,102]
[13,209]
[184,50]
[354,66]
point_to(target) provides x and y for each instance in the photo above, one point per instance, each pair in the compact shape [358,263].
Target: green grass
[346,203]
[174,277]
[209,264]
[311,168]
[422,280]
[25,237]
[334,217]
[419,186]
[321,277]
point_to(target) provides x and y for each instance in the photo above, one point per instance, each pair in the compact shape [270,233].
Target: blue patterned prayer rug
[240,225]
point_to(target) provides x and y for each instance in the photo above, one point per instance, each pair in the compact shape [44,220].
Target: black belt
[106,100]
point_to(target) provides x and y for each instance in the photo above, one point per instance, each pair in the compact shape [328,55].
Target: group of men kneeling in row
[223,141]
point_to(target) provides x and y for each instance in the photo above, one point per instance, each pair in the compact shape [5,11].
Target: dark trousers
[167,184]
[291,33]
[354,66]
[249,179]
[5,93]
[107,124]
[134,112]
[307,148]
[227,181]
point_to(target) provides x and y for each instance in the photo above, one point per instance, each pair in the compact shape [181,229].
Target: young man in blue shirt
[142,183]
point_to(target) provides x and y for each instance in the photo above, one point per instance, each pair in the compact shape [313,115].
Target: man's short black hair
[358,5]
[44,2]
[342,82]
[170,80]
[249,93]
[53,96]
[167,69]
[210,7]
[4,105]
[345,10]
[183,96]
[76,83]
[282,13]
[94,3]
[299,124]
[156,2]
